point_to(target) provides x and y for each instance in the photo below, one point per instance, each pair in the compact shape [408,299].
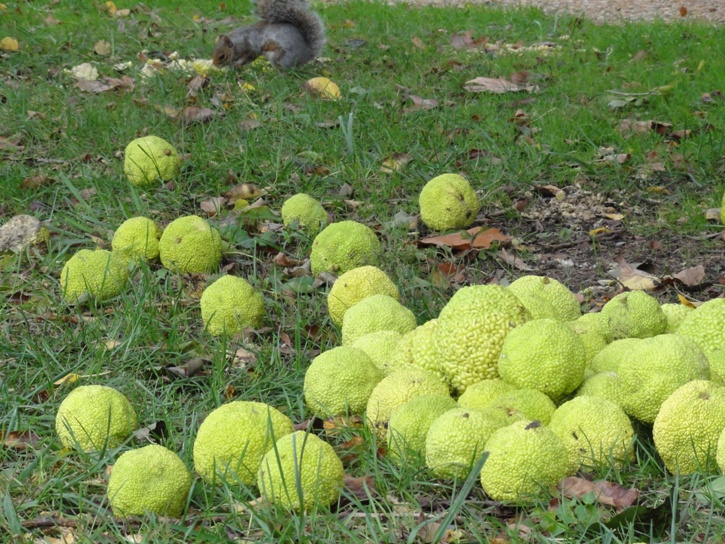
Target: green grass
[76,139]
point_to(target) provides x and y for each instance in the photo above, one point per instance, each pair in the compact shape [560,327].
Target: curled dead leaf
[474,238]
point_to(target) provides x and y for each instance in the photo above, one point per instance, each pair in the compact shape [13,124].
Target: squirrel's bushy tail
[298,14]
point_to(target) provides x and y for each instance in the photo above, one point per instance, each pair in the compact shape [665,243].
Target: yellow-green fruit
[409,424]
[355,285]
[675,313]
[191,245]
[546,297]
[528,404]
[95,418]
[304,211]
[423,350]
[595,431]
[688,426]
[456,439]
[609,358]
[137,238]
[395,390]
[470,332]
[339,381]
[590,335]
[150,160]
[88,274]
[483,394]
[717,365]
[603,385]
[231,304]
[654,369]
[600,323]
[376,313]
[232,440]
[706,325]
[301,472]
[448,202]
[720,455]
[403,356]
[543,354]
[634,314]
[524,459]
[148,480]
[343,246]
[381,347]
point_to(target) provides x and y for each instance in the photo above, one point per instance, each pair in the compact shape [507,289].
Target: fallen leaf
[422,103]
[151,433]
[191,114]
[475,238]
[102,47]
[106,84]
[494,85]
[713,214]
[19,232]
[691,276]
[188,369]
[683,11]
[361,487]
[632,277]
[213,206]
[9,44]
[685,302]
[395,163]
[68,378]
[418,43]
[244,191]
[19,440]
[607,493]
[513,260]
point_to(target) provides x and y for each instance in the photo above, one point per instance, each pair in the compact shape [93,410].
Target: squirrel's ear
[226,40]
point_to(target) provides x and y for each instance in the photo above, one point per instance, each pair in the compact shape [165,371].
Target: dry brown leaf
[361,487]
[213,206]
[631,277]
[395,163]
[691,276]
[193,114]
[607,493]
[418,43]
[244,191]
[422,103]
[475,238]
[106,84]
[713,214]
[514,261]
[102,47]
[188,369]
[495,85]
[19,440]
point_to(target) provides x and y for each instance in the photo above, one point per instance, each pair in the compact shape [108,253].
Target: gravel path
[615,10]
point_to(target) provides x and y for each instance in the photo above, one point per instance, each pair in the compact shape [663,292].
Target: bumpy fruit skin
[482,394]
[634,314]
[595,431]
[720,456]
[395,390]
[339,381]
[524,458]
[688,426]
[409,424]
[305,211]
[95,417]
[456,439]
[546,297]
[424,351]
[376,313]
[343,246]
[675,313]
[591,336]
[355,285]
[137,238]
[470,332]
[88,274]
[190,245]
[150,160]
[717,365]
[603,385]
[381,347]
[232,440]
[148,480]
[543,354]
[403,356]
[654,369]
[528,404]
[229,305]
[448,202]
[301,464]
[609,358]
[705,325]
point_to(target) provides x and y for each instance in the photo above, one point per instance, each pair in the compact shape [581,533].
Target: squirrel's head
[223,51]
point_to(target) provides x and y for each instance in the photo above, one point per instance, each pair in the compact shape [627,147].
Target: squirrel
[289,34]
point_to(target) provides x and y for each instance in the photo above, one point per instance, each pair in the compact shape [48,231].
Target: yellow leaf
[600,230]
[111,7]
[323,87]
[248,87]
[9,44]
[68,378]
[685,302]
